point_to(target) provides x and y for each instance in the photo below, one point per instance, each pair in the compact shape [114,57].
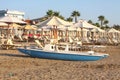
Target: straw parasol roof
[29,27]
[53,21]
[3,24]
[112,30]
[14,25]
[84,24]
[97,30]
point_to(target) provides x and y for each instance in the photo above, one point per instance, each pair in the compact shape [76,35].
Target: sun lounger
[38,43]
[20,37]
[9,45]
[70,40]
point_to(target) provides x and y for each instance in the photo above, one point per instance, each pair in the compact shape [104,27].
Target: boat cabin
[50,47]
[58,47]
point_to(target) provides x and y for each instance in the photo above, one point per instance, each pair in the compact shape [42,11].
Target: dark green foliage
[69,19]
[116,27]
[75,14]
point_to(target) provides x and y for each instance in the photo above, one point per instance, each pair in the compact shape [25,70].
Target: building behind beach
[13,13]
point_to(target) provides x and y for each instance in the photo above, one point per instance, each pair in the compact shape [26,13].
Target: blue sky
[89,9]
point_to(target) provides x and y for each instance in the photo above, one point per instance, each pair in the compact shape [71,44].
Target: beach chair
[2,41]
[79,43]
[20,37]
[38,43]
[70,40]
[25,38]
[53,41]
[115,41]
[46,39]
[35,37]
[9,45]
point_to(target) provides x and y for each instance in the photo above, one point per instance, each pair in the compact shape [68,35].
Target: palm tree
[116,26]
[105,22]
[75,14]
[90,21]
[101,19]
[56,13]
[60,16]
[50,13]
[69,19]
[97,24]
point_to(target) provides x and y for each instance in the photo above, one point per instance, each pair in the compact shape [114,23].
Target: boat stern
[105,55]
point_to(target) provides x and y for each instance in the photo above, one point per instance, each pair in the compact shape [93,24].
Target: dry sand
[17,66]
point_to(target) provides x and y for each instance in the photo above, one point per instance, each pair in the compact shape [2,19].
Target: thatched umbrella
[54,22]
[9,20]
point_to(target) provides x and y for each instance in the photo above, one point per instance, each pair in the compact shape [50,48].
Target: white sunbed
[9,45]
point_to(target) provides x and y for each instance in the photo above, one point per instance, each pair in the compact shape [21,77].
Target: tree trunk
[75,19]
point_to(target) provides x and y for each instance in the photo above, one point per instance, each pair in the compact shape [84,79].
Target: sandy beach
[17,66]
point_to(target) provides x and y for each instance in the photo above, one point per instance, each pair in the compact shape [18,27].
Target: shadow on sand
[15,55]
